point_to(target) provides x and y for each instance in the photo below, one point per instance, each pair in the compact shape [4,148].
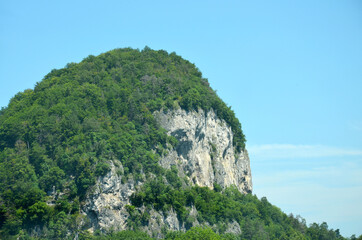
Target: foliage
[195,233]
[57,139]
[60,136]
[123,235]
[258,218]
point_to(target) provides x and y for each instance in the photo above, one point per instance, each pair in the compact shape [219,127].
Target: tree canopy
[57,138]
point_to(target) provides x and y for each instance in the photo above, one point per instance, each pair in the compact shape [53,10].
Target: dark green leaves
[61,136]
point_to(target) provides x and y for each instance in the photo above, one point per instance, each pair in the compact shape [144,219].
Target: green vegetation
[62,134]
[57,139]
[258,218]
[195,233]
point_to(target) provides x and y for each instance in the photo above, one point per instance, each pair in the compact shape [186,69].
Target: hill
[131,140]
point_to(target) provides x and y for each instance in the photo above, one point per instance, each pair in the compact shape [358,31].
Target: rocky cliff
[204,155]
[205,152]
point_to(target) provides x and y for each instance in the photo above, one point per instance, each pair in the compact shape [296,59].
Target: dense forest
[60,136]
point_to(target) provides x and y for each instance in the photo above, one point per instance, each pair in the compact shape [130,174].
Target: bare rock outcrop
[205,152]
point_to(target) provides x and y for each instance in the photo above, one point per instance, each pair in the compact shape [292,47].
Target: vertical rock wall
[205,152]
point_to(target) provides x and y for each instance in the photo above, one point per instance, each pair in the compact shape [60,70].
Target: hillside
[131,140]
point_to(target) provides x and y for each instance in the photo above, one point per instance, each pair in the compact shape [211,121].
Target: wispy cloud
[356,125]
[338,174]
[330,191]
[283,151]
[324,183]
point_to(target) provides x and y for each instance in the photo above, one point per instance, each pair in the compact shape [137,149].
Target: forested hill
[56,140]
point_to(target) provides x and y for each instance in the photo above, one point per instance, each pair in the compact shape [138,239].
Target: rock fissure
[204,155]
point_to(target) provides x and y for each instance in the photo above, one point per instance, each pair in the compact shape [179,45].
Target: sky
[291,71]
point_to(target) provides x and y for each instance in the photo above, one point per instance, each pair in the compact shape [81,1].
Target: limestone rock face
[205,151]
[106,205]
[204,154]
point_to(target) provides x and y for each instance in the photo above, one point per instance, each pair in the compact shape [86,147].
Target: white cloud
[339,207]
[322,189]
[338,174]
[356,125]
[290,151]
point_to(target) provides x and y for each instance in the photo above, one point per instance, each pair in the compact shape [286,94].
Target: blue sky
[291,70]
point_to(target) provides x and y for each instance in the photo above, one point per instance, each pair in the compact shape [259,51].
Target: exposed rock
[204,154]
[205,151]
[233,228]
[105,206]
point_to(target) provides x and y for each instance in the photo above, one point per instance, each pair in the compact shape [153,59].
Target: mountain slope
[93,148]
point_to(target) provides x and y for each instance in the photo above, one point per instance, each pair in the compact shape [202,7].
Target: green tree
[196,233]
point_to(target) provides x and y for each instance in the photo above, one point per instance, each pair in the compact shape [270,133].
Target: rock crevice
[204,155]
[205,152]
